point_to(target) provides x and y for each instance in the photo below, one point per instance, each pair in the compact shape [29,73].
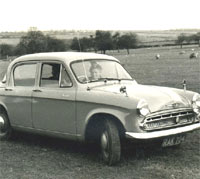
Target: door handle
[8,89]
[37,90]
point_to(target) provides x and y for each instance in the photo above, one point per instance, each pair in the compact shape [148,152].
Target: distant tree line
[35,41]
[188,39]
[6,50]
[104,40]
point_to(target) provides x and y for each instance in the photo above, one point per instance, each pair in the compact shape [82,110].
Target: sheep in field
[182,52]
[193,55]
[157,56]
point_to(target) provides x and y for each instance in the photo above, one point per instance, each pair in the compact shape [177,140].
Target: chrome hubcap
[105,144]
[2,123]
[104,141]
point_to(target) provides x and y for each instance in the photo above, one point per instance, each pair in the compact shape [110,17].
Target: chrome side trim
[163,133]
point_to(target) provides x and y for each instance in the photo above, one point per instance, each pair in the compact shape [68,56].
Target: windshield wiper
[127,79]
[109,79]
[102,79]
[118,79]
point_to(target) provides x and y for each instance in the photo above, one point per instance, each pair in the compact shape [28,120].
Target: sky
[20,15]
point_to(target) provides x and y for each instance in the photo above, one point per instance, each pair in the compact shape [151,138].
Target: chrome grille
[168,120]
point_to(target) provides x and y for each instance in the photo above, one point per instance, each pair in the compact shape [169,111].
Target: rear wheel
[5,128]
[110,143]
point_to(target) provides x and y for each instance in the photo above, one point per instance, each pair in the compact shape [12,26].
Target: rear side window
[24,75]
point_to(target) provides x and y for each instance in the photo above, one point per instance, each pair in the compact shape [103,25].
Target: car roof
[66,57]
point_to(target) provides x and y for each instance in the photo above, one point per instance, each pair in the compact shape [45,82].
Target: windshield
[97,70]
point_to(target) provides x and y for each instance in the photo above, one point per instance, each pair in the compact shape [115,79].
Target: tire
[110,143]
[5,128]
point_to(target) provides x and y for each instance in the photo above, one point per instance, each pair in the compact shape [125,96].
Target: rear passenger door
[18,93]
[53,105]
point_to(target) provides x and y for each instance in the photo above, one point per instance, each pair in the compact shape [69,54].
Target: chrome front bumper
[163,133]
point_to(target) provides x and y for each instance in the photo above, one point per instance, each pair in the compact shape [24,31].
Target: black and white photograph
[94,89]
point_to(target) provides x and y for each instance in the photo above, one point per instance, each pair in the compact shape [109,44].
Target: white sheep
[182,52]
[157,56]
[193,55]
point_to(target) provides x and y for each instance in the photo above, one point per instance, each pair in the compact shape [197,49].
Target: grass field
[170,70]
[34,157]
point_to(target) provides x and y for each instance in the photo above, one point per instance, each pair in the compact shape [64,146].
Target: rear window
[24,75]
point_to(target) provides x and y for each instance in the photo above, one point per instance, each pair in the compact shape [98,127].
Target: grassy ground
[31,157]
[170,70]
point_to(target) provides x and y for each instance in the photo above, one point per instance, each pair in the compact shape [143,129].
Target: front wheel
[5,128]
[110,143]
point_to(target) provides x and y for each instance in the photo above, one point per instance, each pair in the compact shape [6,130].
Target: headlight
[196,103]
[143,107]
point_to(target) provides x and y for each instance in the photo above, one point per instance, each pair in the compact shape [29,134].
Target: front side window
[54,75]
[65,80]
[96,70]
[24,75]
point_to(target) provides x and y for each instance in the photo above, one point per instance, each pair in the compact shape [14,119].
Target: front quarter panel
[92,102]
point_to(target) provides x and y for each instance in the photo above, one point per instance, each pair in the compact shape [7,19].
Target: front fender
[93,102]
[119,114]
[85,112]
[2,105]
[127,118]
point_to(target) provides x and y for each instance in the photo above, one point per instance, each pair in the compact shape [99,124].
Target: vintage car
[91,97]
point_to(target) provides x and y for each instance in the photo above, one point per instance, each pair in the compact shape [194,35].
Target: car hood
[158,98]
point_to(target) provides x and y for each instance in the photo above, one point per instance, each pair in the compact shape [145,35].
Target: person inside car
[55,72]
[95,71]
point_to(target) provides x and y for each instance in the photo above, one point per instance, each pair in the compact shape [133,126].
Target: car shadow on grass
[148,150]
[45,146]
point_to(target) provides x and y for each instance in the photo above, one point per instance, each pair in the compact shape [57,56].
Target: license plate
[175,140]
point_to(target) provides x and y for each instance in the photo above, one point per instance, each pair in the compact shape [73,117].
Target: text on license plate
[174,140]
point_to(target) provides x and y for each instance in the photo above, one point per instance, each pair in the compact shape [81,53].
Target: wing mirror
[4,80]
